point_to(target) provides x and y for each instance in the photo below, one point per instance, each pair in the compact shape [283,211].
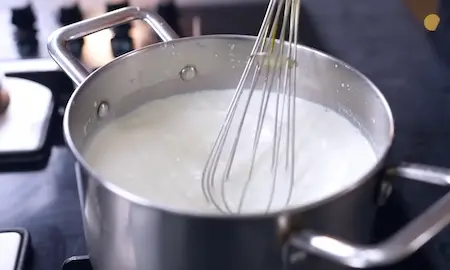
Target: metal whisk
[272,69]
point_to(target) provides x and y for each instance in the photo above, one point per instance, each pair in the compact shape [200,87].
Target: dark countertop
[381,39]
[46,204]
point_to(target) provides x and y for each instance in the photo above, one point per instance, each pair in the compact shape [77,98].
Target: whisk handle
[69,64]
[402,244]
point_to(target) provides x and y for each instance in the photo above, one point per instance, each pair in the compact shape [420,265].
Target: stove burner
[77,263]
[25,31]
[121,45]
[69,15]
[122,42]
[124,29]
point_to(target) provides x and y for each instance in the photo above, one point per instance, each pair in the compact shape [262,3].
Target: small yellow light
[431,22]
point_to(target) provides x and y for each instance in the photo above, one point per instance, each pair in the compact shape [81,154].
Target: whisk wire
[271,64]
[267,89]
[216,152]
[295,23]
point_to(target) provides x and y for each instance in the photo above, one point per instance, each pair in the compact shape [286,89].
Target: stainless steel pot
[125,232]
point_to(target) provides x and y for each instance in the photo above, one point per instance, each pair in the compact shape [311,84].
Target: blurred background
[17,19]
[401,45]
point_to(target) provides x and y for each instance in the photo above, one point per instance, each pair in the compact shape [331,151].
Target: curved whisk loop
[269,80]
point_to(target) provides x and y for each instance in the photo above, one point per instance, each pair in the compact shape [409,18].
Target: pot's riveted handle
[69,64]
[402,244]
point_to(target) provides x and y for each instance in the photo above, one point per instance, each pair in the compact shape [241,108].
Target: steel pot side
[123,71]
[402,244]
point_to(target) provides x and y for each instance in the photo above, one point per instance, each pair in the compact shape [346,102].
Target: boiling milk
[159,150]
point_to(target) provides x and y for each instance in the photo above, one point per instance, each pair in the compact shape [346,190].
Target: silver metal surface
[423,173]
[126,232]
[188,73]
[385,192]
[103,109]
[57,44]
[274,63]
[402,244]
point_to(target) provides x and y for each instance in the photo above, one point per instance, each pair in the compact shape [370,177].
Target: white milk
[159,150]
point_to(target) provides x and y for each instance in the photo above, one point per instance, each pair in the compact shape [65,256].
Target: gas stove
[404,67]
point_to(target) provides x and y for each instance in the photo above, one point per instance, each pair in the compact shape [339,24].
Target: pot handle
[69,64]
[397,247]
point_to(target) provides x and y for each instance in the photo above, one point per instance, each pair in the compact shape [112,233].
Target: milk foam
[159,150]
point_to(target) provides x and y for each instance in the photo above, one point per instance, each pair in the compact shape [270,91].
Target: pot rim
[140,201]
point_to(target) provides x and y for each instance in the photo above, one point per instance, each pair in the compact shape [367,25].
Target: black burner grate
[77,263]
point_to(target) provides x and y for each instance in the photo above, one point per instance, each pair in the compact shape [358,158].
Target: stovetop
[380,38]
[77,263]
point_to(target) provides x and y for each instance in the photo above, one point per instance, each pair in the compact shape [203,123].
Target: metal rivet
[385,192]
[188,73]
[103,109]
[297,257]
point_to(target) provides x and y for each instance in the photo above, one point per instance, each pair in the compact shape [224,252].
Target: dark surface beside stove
[380,38]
